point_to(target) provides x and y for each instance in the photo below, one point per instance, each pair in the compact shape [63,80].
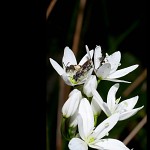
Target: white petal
[73,119]
[102,105]
[103,71]
[115,80]
[89,53]
[74,91]
[97,56]
[71,105]
[130,113]
[95,107]
[86,113]
[122,72]
[65,78]
[86,57]
[94,146]
[89,85]
[81,127]
[114,60]
[57,67]
[89,73]
[106,109]
[111,96]
[77,144]
[69,57]
[127,104]
[110,144]
[97,98]
[103,128]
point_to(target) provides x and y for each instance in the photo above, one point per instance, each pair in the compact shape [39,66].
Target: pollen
[73,80]
[91,140]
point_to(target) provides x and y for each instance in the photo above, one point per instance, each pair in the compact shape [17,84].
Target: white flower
[125,108]
[71,105]
[89,85]
[93,137]
[96,108]
[106,67]
[72,73]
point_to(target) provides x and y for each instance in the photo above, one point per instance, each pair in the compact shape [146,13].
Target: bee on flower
[71,72]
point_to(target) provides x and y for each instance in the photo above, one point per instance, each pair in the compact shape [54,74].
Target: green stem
[79,87]
[64,144]
[99,80]
[95,120]
[64,127]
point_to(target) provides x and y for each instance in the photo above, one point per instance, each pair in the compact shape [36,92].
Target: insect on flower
[71,72]
[79,71]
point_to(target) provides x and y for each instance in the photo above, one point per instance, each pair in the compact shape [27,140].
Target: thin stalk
[136,83]
[135,130]
[50,8]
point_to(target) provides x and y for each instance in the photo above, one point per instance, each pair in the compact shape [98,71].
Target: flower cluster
[84,105]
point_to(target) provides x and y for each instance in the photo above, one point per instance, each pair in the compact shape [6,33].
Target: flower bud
[72,103]
[89,85]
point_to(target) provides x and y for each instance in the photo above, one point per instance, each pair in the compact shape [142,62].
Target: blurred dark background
[115,26]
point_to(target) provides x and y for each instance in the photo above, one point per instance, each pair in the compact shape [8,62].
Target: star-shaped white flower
[72,73]
[124,108]
[106,67]
[93,137]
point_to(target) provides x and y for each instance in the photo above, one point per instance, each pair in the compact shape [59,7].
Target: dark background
[114,25]
[102,21]
[28,39]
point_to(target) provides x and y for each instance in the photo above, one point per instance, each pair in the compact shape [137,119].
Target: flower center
[72,80]
[91,140]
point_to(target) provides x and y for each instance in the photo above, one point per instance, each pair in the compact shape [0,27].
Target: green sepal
[66,131]
[95,120]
